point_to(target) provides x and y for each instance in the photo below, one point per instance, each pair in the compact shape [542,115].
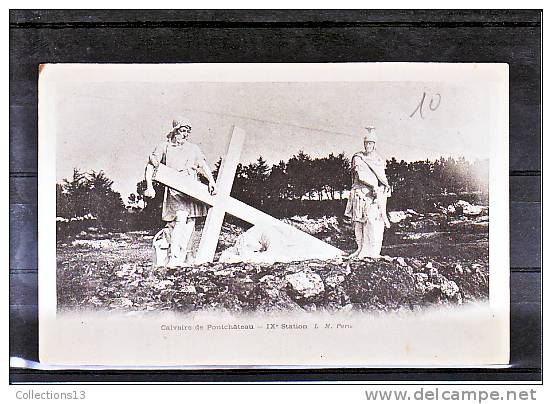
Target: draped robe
[367,200]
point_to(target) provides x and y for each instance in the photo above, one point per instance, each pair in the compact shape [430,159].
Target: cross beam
[225,179]
[223,203]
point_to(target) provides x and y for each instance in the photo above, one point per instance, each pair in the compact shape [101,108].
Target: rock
[267,278]
[473,210]
[347,307]
[223,272]
[468,209]
[126,270]
[387,258]
[275,297]
[121,302]
[396,216]
[476,267]
[188,289]
[217,267]
[421,282]
[416,263]
[420,277]
[130,268]
[272,293]
[451,209]
[412,236]
[306,283]
[201,288]
[95,301]
[347,270]
[432,272]
[458,268]
[401,261]
[334,280]
[273,284]
[100,243]
[449,288]
[163,284]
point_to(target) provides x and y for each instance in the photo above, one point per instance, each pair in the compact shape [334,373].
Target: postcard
[273,215]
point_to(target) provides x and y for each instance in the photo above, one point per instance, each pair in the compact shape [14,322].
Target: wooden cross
[223,203]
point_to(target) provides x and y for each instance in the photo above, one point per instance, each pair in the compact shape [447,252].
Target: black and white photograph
[302,215]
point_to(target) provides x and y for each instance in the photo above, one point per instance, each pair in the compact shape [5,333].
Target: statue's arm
[151,167]
[148,176]
[204,168]
[363,173]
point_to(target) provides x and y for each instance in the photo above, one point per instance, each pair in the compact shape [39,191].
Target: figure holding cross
[223,203]
[179,210]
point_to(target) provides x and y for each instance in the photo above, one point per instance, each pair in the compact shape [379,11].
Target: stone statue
[367,204]
[179,209]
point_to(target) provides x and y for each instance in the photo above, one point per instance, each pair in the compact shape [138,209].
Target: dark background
[216,36]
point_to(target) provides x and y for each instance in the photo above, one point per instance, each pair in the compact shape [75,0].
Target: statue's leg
[379,227]
[359,236]
[179,239]
[168,229]
[383,208]
[160,246]
[372,239]
[190,228]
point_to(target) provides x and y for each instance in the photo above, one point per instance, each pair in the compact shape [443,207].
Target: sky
[114,126]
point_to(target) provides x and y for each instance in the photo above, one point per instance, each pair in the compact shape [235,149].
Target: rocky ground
[433,258]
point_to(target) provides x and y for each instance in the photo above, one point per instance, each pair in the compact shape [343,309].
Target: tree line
[302,184]
[88,193]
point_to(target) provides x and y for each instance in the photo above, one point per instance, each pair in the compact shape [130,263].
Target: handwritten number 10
[434,103]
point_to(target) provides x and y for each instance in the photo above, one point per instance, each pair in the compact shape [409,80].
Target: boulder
[468,209]
[458,268]
[121,302]
[164,284]
[188,289]
[449,288]
[416,263]
[396,216]
[305,283]
[334,280]
[401,261]
[420,278]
